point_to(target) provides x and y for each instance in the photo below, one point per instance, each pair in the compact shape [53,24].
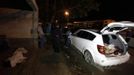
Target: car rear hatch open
[116,27]
[114,44]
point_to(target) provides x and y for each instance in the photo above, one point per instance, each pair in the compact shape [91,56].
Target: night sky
[15,4]
[117,9]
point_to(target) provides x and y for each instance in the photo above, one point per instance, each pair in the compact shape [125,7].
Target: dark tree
[54,9]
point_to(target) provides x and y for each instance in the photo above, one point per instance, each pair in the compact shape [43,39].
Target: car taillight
[101,49]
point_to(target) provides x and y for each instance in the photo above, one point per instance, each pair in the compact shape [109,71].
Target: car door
[81,40]
[86,40]
[76,39]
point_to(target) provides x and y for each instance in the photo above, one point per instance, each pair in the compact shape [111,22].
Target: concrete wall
[16,23]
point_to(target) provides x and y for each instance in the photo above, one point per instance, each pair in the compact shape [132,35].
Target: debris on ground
[17,57]
[110,48]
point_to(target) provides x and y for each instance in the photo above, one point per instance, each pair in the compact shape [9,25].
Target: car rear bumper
[111,61]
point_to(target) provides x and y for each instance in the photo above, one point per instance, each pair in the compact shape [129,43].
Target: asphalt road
[68,62]
[79,66]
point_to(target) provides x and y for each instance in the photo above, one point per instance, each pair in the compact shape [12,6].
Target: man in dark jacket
[56,37]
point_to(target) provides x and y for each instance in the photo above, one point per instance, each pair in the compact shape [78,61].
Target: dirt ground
[46,62]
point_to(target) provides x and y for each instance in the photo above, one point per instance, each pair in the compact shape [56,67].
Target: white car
[106,47]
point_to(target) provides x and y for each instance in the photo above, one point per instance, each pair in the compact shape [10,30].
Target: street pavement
[40,62]
[68,62]
[79,66]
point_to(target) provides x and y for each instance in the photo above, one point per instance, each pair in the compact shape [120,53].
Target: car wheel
[88,57]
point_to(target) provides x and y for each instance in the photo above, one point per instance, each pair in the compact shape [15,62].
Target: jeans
[42,41]
[68,42]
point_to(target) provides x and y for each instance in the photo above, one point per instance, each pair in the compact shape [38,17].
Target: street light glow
[66,13]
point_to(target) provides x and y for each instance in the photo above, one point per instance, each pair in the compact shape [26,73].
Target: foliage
[54,9]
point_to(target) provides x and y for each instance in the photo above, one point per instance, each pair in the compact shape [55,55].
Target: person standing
[67,39]
[56,37]
[41,36]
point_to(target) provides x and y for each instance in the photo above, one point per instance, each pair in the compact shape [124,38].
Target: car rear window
[117,28]
[86,35]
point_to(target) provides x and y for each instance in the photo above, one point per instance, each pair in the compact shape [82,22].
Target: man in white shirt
[41,36]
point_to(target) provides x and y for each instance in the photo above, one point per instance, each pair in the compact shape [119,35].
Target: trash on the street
[17,57]
[110,48]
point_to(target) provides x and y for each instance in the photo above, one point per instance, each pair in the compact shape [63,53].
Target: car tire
[88,57]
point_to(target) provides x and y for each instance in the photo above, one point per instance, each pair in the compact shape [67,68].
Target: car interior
[113,40]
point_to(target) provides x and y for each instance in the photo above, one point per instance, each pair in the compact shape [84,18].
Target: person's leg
[55,45]
[58,45]
[42,41]
[68,42]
